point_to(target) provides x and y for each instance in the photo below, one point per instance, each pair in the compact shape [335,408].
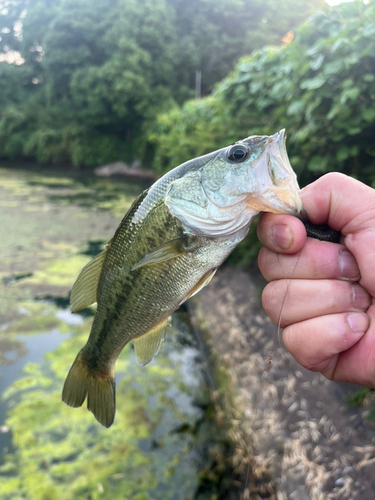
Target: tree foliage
[320,87]
[95,75]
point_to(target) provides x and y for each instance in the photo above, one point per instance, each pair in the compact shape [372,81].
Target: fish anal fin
[204,281]
[169,250]
[147,346]
[84,292]
[99,387]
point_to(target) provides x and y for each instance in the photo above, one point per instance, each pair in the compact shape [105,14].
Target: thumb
[346,205]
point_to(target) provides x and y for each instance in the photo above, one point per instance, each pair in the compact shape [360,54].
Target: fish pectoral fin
[204,281]
[147,346]
[169,250]
[84,292]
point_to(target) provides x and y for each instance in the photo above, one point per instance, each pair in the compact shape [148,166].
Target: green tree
[213,34]
[102,71]
[96,75]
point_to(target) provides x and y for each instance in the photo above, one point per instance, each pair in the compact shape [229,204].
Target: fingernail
[361,299]
[358,322]
[348,265]
[282,236]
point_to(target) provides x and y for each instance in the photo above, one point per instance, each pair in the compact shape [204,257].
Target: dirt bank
[295,423]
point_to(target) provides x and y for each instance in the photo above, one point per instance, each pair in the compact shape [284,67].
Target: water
[50,227]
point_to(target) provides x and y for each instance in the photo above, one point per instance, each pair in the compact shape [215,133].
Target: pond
[164,443]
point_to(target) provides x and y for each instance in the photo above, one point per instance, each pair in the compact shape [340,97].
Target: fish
[166,249]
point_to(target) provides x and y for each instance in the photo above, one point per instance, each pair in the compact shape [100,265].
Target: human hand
[329,311]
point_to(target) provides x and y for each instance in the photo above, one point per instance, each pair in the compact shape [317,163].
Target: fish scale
[167,247]
[150,295]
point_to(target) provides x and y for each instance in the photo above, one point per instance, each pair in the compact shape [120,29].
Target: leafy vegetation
[320,87]
[364,399]
[92,77]
[357,399]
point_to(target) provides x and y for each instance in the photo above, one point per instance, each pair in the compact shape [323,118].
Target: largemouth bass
[167,248]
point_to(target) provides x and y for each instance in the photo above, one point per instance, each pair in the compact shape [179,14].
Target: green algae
[82,189]
[63,453]
[50,227]
[61,272]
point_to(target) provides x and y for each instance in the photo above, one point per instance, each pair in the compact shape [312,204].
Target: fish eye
[238,153]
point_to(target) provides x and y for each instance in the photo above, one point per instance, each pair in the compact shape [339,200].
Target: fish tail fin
[98,386]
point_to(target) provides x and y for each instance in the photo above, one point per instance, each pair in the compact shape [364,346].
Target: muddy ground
[292,423]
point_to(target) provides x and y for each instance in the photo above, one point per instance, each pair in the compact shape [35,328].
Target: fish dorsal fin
[84,292]
[169,250]
[147,346]
[204,281]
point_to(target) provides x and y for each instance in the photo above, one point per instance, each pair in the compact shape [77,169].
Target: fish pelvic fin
[147,346]
[99,387]
[204,281]
[85,289]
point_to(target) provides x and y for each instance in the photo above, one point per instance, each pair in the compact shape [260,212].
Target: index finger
[281,233]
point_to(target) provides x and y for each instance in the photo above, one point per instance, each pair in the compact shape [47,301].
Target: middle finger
[305,299]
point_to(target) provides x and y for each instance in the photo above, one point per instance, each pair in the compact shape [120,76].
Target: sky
[336,2]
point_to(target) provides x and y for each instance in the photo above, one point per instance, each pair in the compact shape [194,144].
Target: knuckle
[266,263]
[335,176]
[338,296]
[323,260]
[262,261]
[295,338]
[272,297]
[289,338]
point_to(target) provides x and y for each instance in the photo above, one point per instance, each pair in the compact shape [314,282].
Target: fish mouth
[297,205]
[302,215]
[280,139]
[279,190]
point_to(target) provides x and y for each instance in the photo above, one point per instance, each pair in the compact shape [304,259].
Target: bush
[320,87]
